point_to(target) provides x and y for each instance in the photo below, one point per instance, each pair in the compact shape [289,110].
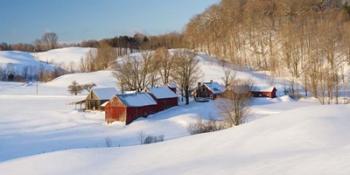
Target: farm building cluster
[212,90]
[129,106]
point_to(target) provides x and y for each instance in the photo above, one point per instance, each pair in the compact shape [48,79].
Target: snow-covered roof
[263,88]
[162,93]
[215,87]
[137,99]
[105,93]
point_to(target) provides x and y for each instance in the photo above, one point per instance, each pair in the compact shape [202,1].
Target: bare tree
[235,102]
[127,73]
[141,137]
[75,88]
[164,62]
[186,72]
[105,55]
[229,77]
[147,72]
[47,41]
[98,59]
[88,64]
[136,73]
[88,87]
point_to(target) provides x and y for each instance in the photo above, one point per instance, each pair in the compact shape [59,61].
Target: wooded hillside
[310,39]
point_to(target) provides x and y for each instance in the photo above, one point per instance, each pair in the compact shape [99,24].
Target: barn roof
[263,88]
[215,87]
[162,93]
[137,99]
[105,93]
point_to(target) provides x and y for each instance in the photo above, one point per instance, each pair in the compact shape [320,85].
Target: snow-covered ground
[305,140]
[22,63]
[67,57]
[100,78]
[43,134]
[37,124]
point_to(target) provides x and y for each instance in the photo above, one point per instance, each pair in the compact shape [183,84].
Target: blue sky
[76,20]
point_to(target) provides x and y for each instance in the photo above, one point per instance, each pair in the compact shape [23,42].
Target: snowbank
[314,140]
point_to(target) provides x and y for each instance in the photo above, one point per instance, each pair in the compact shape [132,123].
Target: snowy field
[40,131]
[300,141]
[67,57]
[48,123]
[22,63]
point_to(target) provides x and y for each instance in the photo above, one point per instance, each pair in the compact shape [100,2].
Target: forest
[308,41]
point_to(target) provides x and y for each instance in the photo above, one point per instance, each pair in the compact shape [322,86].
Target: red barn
[129,107]
[209,90]
[165,97]
[264,92]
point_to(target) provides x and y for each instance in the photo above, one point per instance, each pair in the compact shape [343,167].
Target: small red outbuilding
[165,97]
[210,90]
[129,107]
[264,92]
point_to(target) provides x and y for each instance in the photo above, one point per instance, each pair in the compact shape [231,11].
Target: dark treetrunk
[187,95]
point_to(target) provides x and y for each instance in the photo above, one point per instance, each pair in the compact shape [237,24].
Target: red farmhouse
[264,92]
[165,97]
[129,107]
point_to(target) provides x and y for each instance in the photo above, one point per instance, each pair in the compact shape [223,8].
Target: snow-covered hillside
[212,69]
[66,57]
[21,63]
[312,140]
[100,78]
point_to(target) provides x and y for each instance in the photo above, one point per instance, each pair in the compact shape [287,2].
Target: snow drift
[313,140]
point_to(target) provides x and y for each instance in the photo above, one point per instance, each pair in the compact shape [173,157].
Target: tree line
[136,42]
[307,40]
[158,68]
